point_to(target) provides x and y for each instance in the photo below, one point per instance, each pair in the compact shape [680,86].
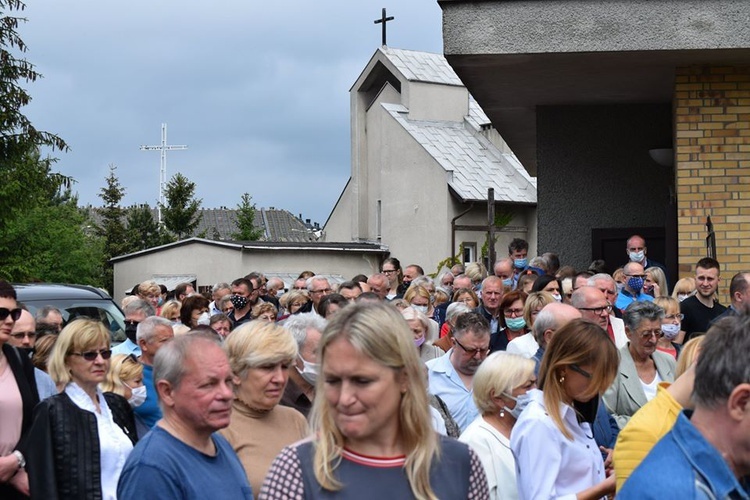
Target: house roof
[422,66]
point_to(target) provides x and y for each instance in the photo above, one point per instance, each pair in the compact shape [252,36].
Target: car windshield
[103,310]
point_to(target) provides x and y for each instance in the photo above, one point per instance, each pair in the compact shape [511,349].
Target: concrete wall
[594,171]
[341,225]
[554,26]
[431,102]
[212,264]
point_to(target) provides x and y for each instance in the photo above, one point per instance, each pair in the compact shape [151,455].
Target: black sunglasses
[91,355]
[13,313]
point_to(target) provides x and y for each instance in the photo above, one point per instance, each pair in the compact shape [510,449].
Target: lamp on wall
[662,156]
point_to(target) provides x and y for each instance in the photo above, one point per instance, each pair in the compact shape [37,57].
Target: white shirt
[525,346]
[494,451]
[548,465]
[114,445]
[650,389]
[618,328]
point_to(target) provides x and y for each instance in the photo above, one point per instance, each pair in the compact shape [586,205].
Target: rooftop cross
[163,147]
[383,20]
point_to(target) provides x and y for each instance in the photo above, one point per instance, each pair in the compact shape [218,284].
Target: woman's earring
[502,412]
[562,378]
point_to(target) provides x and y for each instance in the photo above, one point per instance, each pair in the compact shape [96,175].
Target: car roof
[47,291]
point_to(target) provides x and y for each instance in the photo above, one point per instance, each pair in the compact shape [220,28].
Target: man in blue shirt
[153,333]
[633,289]
[707,455]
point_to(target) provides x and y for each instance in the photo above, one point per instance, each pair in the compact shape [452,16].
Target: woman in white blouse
[552,441]
[80,437]
[500,386]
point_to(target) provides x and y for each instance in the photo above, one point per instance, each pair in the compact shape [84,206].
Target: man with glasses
[135,312]
[594,307]
[153,333]
[451,376]
[23,336]
[608,286]
[633,289]
[317,287]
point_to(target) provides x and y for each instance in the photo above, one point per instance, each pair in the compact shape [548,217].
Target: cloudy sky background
[259,91]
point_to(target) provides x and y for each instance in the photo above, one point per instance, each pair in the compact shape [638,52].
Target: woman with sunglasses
[18,396]
[552,440]
[80,437]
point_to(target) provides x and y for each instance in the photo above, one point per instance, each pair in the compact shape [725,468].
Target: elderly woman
[670,341]
[101,425]
[194,311]
[151,293]
[500,386]
[293,301]
[467,296]
[552,440]
[125,377]
[420,326]
[526,345]
[446,331]
[331,304]
[642,367]
[171,311]
[513,324]
[372,429]
[264,311]
[260,355]
[221,324]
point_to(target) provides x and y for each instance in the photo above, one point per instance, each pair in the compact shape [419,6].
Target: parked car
[74,301]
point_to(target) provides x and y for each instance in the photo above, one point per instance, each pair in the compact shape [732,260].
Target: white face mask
[309,371]
[204,319]
[557,297]
[137,396]
[422,309]
[636,256]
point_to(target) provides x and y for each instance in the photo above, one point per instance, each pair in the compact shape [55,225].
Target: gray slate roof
[473,163]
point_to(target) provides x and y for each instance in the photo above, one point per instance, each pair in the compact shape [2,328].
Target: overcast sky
[258,91]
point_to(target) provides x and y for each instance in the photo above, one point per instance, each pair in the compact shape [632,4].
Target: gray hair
[601,276]
[439,278]
[471,322]
[147,327]
[544,321]
[220,286]
[297,325]
[170,360]
[309,282]
[722,364]
[139,305]
[423,281]
[456,309]
[43,312]
[540,262]
[640,311]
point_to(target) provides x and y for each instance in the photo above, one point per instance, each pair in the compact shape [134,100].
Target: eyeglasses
[513,312]
[580,370]
[389,271]
[21,335]
[473,352]
[324,290]
[675,316]
[597,310]
[635,275]
[13,313]
[91,355]
[131,358]
[647,334]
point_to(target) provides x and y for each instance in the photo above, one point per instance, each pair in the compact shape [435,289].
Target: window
[470,252]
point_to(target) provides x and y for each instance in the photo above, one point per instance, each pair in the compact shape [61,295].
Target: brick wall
[712,148]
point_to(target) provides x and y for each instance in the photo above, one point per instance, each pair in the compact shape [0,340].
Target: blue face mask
[508,282]
[522,401]
[515,324]
[520,263]
[636,284]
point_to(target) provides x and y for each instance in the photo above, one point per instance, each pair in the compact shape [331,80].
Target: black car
[74,301]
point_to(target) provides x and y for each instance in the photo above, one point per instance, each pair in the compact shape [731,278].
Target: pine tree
[181,214]
[111,228]
[246,221]
[143,229]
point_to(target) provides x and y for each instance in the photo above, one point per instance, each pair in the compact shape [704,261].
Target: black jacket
[66,458]
[23,372]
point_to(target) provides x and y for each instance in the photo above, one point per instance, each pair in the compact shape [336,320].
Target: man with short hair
[317,287]
[608,286]
[242,292]
[350,290]
[450,376]
[378,284]
[412,272]
[462,281]
[633,289]
[184,456]
[306,329]
[274,286]
[595,307]
[218,291]
[153,333]
[553,262]
[23,336]
[739,295]
[492,295]
[707,451]
[580,279]
[49,319]
[701,308]
[183,290]
[637,252]
[518,252]
[503,269]
[135,311]
[551,318]
[300,284]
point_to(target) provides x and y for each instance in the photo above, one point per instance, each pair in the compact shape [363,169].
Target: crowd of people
[529,381]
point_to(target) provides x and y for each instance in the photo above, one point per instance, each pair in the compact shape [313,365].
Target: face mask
[418,342]
[682,296]
[176,322]
[636,256]
[309,371]
[635,284]
[137,395]
[522,401]
[520,263]
[619,286]
[204,319]
[508,282]
[670,330]
[161,301]
[515,324]
[238,301]
[130,330]
[557,297]
[406,283]
[422,309]
[449,289]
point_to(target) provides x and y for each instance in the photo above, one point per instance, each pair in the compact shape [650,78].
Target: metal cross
[383,19]
[163,147]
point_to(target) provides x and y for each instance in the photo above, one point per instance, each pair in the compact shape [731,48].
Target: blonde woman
[260,355]
[372,429]
[655,283]
[552,439]
[125,377]
[500,392]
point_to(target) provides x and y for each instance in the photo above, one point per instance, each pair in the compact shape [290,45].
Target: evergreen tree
[181,215]
[111,228]
[246,221]
[143,230]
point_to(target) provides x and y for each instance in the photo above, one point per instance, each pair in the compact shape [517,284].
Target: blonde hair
[689,352]
[419,290]
[42,351]
[80,335]
[668,303]
[170,307]
[286,300]
[149,288]
[263,307]
[533,301]
[378,331]
[685,285]
[579,342]
[476,272]
[657,275]
[259,343]
[122,367]
[500,373]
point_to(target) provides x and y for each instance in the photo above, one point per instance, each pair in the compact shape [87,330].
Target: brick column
[712,153]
